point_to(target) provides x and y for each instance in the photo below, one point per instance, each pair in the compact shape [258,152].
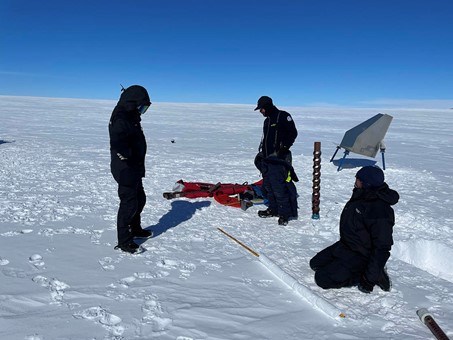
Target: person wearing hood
[127,152]
[274,162]
[366,228]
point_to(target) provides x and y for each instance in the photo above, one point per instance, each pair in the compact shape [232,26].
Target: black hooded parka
[127,141]
[366,226]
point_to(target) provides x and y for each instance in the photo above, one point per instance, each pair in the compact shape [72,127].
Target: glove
[258,159]
[365,286]
[282,152]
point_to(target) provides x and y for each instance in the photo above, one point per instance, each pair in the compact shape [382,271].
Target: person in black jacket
[127,152]
[274,162]
[366,228]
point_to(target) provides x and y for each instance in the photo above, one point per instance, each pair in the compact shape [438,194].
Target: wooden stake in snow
[305,292]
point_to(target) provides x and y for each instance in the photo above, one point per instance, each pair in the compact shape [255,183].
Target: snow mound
[429,255]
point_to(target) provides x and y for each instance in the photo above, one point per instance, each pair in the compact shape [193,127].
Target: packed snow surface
[60,277]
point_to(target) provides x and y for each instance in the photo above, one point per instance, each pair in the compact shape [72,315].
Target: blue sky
[298,52]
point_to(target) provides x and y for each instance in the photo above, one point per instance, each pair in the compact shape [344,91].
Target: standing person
[127,151]
[274,162]
[366,228]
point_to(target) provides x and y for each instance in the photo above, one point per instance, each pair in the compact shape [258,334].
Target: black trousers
[337,266]
[282,195]
[132,202]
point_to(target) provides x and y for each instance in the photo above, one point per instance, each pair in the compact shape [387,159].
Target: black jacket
[278,130]
[127,141]
[366,226]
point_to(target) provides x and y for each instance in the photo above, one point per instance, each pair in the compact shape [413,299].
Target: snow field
[58,202]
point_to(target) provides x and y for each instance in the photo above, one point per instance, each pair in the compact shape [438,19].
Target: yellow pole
[239,242]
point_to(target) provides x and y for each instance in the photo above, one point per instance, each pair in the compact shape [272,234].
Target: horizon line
[400,104]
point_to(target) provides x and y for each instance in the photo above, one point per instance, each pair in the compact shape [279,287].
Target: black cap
[264,102]
[371,176]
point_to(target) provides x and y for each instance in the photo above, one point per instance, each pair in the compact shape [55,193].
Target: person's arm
[120,134]
[288,132]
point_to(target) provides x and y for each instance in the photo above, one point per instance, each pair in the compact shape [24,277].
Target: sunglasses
[142,108]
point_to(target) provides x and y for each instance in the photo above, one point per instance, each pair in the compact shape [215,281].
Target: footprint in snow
[13,272]
[106,263]
[57,288]
[167,264]
[151,275]
[125,282]
[154,315]
[95,236]
[109,321]
[36,260]
[185,268]
[16,233]
[9,234]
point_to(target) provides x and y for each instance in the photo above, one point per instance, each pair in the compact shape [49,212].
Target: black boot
[384,281]
[130,247]
[282,221]
[142,233]
[266,213]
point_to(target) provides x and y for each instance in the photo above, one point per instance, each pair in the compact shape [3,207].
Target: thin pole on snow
[310,296]
[239,242]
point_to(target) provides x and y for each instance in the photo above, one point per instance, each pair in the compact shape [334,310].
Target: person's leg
[277,182]
[136,227]
[323,258]
[334,275]
[127,209]
[291,188]
[267,189]
[141,201]
[343,270]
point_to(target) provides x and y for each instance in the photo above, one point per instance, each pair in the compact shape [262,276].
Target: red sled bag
[226,194]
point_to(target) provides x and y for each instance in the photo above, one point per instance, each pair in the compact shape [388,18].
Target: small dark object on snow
[172,140]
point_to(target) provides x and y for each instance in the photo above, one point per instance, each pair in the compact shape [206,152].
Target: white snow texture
[60,277]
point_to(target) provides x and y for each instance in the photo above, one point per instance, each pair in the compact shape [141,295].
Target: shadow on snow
[5,141]
[180,211]
[349,163]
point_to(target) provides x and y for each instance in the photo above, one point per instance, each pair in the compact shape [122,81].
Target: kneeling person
[366,228]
